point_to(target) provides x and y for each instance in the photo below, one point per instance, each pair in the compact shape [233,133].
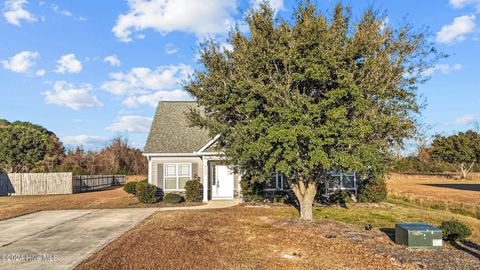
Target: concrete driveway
[62,239]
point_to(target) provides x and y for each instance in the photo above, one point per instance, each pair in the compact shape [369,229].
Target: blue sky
[89,70]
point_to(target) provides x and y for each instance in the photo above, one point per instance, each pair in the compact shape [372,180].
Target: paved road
[467,187]
[62,239]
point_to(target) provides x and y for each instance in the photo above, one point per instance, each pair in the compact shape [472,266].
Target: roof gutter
[194,154]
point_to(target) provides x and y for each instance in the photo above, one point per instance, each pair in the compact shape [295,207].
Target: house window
[176,175]
[339,180]
[276,182]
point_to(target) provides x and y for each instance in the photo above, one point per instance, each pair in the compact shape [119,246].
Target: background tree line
[455,153]
[26,147]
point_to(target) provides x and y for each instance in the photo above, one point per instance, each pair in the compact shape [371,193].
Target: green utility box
[418,235]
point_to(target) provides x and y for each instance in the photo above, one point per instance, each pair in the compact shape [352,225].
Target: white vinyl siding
[176,175]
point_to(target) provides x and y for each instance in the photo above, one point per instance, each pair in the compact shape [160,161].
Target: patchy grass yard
[12,206]
[459,196]
[385,215]
[264,237]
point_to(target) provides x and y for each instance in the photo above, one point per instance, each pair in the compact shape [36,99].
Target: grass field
[459,196]
[265,237]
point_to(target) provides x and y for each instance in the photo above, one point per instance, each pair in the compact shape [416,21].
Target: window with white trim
[276,182]
[175,175]
[339,180]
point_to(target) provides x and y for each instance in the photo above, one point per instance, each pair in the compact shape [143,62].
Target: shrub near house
[146,193]
[173,198]
[193,191]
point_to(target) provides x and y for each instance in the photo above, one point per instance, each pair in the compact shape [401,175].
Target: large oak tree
[310,94]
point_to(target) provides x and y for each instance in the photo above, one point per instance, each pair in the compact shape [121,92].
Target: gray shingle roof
[171,133]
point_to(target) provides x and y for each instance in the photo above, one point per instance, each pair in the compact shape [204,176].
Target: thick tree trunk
[305,193]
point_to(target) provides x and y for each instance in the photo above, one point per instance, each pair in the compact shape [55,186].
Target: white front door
[222,186]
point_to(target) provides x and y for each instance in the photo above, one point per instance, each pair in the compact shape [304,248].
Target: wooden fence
[35,183]
[85,183]
[55,183]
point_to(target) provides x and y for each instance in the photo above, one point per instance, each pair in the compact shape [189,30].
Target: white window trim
[176,175]
[278,180]
[342,175]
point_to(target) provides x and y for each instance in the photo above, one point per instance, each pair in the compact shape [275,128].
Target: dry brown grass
[261,238]
[135,178]
[12,206]
[239,238]
[416,188]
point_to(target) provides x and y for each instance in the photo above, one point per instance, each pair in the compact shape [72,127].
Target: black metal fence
[85,183]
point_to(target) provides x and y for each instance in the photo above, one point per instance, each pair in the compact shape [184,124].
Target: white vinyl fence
[35,183]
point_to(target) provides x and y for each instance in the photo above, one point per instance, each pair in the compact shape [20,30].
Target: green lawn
[394,211]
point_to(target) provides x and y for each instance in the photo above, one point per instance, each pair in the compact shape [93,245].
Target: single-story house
[178,152]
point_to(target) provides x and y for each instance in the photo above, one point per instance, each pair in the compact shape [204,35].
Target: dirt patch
[259,238]
[380,242]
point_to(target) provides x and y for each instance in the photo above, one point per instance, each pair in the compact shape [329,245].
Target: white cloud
[464,3]
[112,60]
[40,72]
[14,12]
[21,62]
[62,12]
[457,30]
[132,124]
[85,140]
[141,80]
[153,99]
[443,68]
[55,8]
[465,120]
[68,95]
[68,64]
[274,4]
[170,48]
[200,17]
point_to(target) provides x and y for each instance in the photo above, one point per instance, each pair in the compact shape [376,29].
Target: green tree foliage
[25,146]
[311,94]
[412,164]
[462,149]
